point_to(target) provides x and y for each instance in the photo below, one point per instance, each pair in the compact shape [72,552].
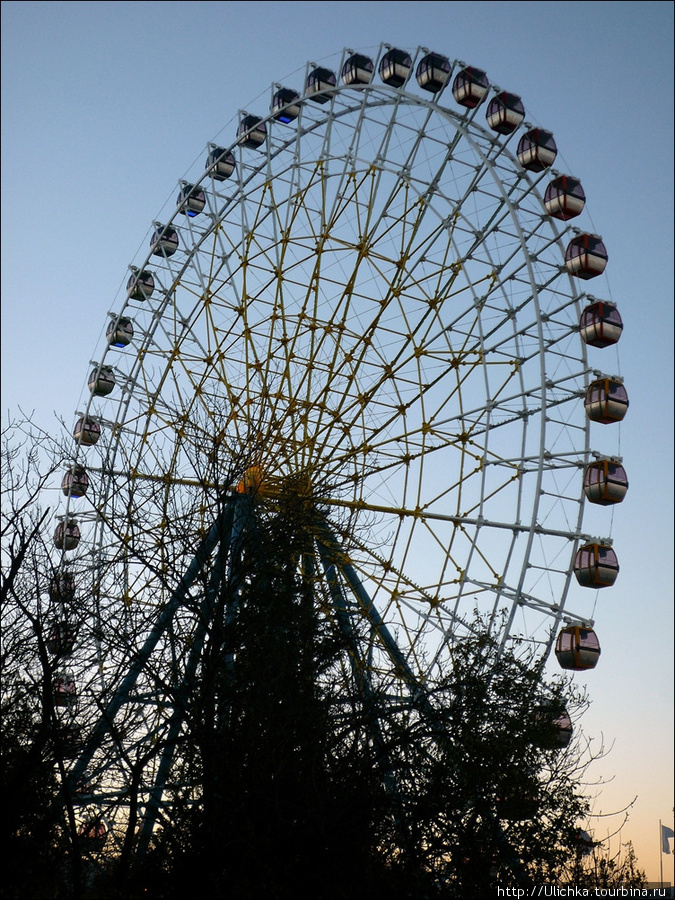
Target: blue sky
[106,105]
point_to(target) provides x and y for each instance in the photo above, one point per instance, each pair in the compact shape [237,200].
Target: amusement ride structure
[372,297]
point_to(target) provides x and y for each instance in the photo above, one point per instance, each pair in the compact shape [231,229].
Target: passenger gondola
[606,401]
[164,240]
[470,87]
[505,112]
[395,67]
[564,198]
[358,69]
[87,431]
[600,324]
[577,648]
[75,482]
[596,566]
[285,105]
[319,84]
[433,72]
[220,163]
[102,381]
[586,256]
[605,482]
[191,200]
[120,332]
[252,132]
[67,535]
[140,285]
[537,150]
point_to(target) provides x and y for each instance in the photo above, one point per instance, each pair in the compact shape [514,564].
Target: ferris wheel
[371,294]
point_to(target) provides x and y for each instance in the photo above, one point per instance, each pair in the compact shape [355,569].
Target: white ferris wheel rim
[524,322]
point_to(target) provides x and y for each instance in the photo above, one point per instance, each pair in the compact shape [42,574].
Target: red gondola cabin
[537,150]
[586,256]
[600,324]
[564,198]
[61,639]
[93,834]
[65,692]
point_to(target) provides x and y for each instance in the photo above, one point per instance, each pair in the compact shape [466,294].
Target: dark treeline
[296,771]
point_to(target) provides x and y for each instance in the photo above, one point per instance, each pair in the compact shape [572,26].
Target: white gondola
[395,67]
[164,240]
[285,105]
[600,324]
[252,132]
[102,381]
[470,87]
[358,69]
[141,285]
[433,72]
[120,332]
[191,200]
[505,112]
[220,163]
[319,83]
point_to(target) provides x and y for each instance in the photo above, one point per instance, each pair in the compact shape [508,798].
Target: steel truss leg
[219,534]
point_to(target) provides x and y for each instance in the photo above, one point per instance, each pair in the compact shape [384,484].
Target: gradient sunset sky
[106,105]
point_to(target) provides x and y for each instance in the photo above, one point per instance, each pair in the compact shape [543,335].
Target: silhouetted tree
[34,818]
[594,866]
[491,797]
[291,792]
[293,771]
